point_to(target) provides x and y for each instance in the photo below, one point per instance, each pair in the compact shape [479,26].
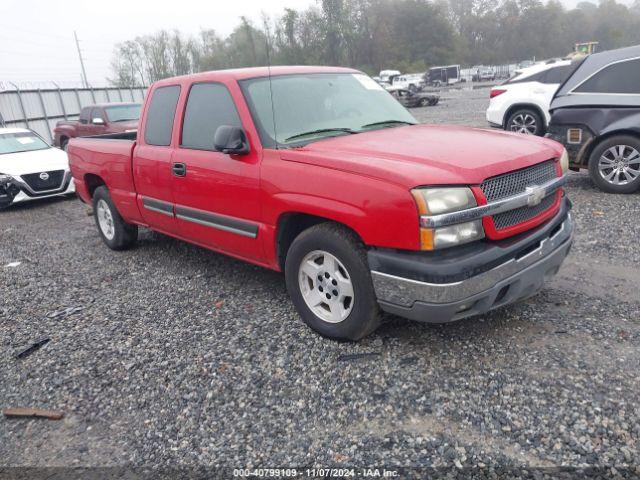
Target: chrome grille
[513,183]
[516,182]
[522,214]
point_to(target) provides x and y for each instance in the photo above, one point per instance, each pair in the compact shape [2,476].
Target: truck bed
[105,159]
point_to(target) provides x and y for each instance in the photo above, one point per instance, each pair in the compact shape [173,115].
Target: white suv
[521,104]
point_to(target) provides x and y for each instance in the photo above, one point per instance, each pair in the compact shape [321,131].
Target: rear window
[162,110]
[84,115]
[557,74]
[621,77]
[209,106]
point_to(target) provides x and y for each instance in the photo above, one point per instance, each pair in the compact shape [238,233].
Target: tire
[424,102]
[115,232]
[335,262]
[64,142]
[526,121]
[605,161]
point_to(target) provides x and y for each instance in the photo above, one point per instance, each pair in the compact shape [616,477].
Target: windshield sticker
[25,140]
[367,82]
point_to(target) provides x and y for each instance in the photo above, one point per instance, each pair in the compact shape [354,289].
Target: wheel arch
[524,105]
[606,136]
[292,224]
[93,181]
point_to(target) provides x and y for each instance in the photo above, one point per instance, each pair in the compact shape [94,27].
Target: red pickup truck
[320,173]
[98,120]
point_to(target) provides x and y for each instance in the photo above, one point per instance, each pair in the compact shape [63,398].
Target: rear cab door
[152,167]
[217,195]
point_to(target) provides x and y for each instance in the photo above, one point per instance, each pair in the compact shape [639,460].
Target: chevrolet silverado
[320,173]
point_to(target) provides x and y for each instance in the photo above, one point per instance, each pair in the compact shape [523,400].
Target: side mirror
[231,140]
[97,121]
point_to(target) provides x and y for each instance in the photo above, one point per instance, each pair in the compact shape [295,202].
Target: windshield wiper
[320,130]
[387,122]
[125,120]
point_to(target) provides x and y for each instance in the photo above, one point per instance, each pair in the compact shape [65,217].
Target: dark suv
[596,115]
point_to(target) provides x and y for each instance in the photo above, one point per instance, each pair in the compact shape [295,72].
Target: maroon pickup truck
[97,120]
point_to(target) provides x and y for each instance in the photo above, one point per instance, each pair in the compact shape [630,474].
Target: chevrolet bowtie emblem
[535,194]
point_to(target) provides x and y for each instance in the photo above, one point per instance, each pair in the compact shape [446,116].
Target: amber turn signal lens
[426,239]
[420,202]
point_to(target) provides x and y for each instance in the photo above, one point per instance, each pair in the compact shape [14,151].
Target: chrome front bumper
[513,280]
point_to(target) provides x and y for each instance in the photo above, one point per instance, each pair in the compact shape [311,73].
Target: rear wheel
[115,232]
[525,120]
[614,164]
[329,281]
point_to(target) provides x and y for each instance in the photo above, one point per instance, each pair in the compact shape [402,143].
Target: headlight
[436,201]
[5,179]
[564,161]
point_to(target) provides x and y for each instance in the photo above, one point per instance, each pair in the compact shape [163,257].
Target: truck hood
[427,154]
[33,162]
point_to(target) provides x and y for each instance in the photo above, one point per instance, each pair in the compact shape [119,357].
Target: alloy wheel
[326,286]
[524,123]
[105,220]
[619,165]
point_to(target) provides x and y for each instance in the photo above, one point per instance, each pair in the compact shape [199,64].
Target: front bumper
[21,192]
[450,289]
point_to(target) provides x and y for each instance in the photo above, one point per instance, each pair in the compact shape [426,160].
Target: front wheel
[614,165]
[329,281]
[525,121]
[115,232]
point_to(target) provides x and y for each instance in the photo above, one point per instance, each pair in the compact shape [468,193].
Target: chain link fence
[39,109]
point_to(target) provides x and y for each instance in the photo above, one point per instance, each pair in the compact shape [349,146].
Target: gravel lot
[173,356]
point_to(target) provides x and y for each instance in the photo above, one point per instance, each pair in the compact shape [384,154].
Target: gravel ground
[173,356]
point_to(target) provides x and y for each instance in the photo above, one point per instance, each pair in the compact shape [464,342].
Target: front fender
[383,214]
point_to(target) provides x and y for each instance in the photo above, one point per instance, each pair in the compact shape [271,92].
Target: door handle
[179,169]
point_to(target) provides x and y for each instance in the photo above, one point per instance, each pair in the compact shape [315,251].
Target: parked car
[596,115]
[98,120]
[483,74]
[411,81]
[30,168]
[412,99]
[521,104]
[387,75]
[320,173]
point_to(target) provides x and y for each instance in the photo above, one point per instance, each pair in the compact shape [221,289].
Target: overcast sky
[36,36]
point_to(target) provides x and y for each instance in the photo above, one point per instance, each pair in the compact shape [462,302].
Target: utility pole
[84,72]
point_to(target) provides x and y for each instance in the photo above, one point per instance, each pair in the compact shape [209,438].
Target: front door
[216,194]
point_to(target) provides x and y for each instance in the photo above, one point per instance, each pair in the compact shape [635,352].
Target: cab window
[159,120]
[209,106]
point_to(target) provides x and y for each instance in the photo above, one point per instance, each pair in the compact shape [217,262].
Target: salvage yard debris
[13,264]
[32,413]
[32,348]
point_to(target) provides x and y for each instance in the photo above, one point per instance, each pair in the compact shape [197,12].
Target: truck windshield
[123,113]
[310,107]
[21,142]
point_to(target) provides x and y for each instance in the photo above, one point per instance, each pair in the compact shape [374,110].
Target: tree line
[406,35]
